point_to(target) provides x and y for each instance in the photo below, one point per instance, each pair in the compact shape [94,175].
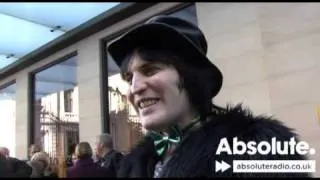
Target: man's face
[98,147]
[4,152]
[155,94]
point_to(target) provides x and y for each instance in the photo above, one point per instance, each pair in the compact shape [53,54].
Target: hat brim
[163,36]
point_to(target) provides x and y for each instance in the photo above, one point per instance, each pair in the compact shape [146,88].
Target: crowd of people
[103,161]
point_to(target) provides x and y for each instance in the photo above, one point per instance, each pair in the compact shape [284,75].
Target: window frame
[32,91]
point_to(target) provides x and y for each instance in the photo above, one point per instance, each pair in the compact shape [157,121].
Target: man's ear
[180,84]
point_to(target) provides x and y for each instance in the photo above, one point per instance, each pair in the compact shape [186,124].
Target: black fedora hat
[171,33]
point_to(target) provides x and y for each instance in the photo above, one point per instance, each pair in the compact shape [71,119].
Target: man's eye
[127,77]
[151,71]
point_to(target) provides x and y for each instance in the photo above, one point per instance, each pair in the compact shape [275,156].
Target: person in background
[4,169]
[53,169]
[74,158]
[108,157]
[71,155]
[5,151]
[84,166]
[48,171]
[39,163]
[13,167]
[34,148]
[171,84]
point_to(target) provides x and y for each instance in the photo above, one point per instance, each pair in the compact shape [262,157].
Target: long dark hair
[197,82]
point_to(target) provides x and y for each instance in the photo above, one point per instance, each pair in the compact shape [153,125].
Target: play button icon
[222,166]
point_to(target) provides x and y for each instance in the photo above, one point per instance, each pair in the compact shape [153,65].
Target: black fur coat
[195,155]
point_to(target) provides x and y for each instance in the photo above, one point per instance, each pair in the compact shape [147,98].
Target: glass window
[68,100]
[8,118]
[27,26]
[56,118]
[125,126]
[188,13]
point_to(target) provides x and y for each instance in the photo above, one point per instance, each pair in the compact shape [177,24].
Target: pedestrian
[84,166]
[109,158]
[39,162]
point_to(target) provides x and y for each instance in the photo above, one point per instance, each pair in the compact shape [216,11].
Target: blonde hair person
[34,148]
[39,163]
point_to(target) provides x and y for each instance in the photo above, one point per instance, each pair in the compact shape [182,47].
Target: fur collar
[195,154]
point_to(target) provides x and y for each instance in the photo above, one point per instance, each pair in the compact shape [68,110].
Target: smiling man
[161,101]
[171,85]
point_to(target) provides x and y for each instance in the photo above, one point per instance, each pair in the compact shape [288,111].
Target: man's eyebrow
[141,67]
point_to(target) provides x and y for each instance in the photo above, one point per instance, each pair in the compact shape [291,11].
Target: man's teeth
[146,103]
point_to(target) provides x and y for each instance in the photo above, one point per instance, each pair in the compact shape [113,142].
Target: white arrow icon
[222,166]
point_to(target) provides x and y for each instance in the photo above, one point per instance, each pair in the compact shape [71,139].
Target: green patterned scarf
[162,142]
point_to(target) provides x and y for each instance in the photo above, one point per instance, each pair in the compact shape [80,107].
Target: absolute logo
[264,147]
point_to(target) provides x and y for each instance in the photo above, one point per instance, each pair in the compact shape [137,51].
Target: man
[4,151]
[4,170]
[171,86]
[12,167]
[108,157]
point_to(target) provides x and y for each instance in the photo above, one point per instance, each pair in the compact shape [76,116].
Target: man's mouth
[143,103]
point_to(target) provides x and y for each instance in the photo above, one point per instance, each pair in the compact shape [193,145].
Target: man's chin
[154,126]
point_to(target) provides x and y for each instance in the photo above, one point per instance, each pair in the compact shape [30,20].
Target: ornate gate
[56,133]
[125,126]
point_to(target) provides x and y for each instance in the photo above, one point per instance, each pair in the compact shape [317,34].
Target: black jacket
[4,169]
[111,161]
[13,167]
[195,155]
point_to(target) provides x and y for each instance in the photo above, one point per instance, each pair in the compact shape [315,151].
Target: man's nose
[138,84]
